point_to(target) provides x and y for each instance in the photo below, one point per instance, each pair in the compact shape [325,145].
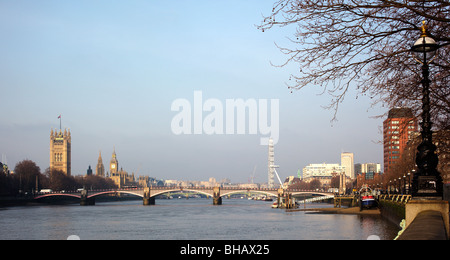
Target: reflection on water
[191,219]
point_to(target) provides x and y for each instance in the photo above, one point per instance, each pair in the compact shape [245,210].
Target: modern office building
[398,129]
[321,171]
[348,165]
[370,169]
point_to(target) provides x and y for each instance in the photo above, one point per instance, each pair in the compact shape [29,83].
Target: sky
[112,69]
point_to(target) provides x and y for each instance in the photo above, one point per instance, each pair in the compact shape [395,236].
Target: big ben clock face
[113,166]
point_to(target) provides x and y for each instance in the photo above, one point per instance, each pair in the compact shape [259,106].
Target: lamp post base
[427,187]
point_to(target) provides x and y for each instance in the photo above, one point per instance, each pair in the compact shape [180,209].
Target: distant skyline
[112,70]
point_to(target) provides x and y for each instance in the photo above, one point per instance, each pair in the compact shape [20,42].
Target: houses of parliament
[120,177]
[60,159]
[60,151]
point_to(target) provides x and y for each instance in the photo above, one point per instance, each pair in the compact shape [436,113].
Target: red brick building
[397,131]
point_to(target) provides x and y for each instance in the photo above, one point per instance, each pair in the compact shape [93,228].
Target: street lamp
[404,184]
[409,183]
[427,182]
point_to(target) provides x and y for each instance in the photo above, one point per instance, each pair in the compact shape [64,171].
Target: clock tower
[114,164]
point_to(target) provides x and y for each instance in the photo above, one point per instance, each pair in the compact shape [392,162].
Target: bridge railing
[399,198]
[176,187]
[56,192]
[208,188]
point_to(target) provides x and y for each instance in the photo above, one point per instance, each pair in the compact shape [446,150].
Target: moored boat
[367,198]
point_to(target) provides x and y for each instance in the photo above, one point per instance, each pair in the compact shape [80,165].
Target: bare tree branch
[365,44]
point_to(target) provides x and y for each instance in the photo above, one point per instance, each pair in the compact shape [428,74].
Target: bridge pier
[85,201]
[290,202]
[217,200]
[216,192]
[285,199]
[280,198]
[147,200]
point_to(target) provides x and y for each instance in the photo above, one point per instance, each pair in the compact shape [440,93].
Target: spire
[100,170]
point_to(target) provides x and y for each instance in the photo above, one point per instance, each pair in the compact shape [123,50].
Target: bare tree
[58,180]
[365,44]
[27,171]
[407,160]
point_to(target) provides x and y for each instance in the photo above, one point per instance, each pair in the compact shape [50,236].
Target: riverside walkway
[344,211]
[419,219]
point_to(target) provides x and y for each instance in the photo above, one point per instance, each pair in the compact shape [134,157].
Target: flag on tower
[59,117]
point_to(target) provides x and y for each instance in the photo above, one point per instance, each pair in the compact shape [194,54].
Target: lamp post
[409,183]
[395,186]
[427,182]
[404,184]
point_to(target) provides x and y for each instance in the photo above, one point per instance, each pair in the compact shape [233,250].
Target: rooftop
[400,112]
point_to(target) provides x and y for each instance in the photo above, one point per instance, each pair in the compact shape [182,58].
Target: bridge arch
[47,195]
[138,194]
[155,193]
[268,193]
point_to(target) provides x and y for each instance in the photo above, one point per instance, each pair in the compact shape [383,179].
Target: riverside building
[398,129]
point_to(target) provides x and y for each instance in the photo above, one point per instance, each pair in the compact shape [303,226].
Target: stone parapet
[414,208]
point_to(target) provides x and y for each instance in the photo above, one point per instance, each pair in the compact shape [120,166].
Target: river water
[181,219]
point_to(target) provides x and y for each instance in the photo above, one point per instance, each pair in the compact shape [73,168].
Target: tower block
[60,151]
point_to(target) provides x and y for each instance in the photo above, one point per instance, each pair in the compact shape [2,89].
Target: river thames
[181,219]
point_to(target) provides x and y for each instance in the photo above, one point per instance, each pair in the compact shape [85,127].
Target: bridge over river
[148,194]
